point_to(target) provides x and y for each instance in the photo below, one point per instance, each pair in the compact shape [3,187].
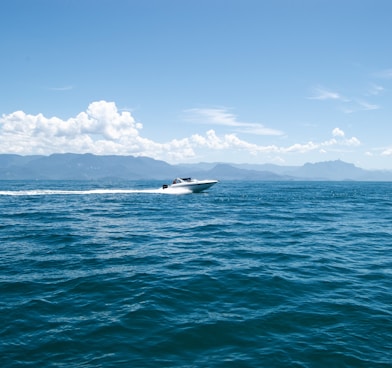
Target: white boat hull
[195,187]
[190,185]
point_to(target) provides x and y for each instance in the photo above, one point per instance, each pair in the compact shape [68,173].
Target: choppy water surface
[244,275]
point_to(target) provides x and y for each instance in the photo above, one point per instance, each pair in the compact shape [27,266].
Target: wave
[46,192]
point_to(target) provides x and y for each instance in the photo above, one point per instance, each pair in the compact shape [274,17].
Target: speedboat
[189,184]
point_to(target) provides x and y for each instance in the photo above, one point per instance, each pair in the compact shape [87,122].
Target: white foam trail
[43,192]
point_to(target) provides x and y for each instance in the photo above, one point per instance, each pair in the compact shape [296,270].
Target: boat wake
[46,192]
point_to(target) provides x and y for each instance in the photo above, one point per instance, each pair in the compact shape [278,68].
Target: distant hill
[83,167]
[92,167]
[330,170]
[229,172]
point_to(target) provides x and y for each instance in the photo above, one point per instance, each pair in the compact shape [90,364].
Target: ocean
[247,274]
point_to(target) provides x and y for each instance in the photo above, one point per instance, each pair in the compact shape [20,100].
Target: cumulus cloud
[231,141]
[337,132]
[220,116]
[103,129]
[387,152]
[353,141]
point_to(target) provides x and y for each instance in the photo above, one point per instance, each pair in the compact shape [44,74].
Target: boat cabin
[181,180]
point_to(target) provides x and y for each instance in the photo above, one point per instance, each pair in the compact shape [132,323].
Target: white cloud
[348,105]
[359,105]
[386,74]
[103,129]
[341,140]
[367,106]
[64,88]
[220,116]
[214,116]
[100,129]
[337,132]
[375,90]
[353,141]
[301,148]
[387,152]
[320,93]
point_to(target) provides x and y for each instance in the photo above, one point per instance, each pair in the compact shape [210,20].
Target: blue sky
[245,81]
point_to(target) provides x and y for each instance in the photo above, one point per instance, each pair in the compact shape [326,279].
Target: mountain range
[69,166]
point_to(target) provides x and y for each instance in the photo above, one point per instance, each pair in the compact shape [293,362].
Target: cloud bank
[102,129]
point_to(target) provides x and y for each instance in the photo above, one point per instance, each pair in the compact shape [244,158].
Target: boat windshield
[181,180]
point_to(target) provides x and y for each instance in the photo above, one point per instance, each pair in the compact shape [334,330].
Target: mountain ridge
[72,166]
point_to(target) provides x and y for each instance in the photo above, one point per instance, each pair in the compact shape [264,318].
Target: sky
[185,81]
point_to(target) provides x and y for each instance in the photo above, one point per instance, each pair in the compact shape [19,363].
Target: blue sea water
[260,274]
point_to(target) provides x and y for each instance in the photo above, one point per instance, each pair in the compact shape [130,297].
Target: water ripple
[248,274]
